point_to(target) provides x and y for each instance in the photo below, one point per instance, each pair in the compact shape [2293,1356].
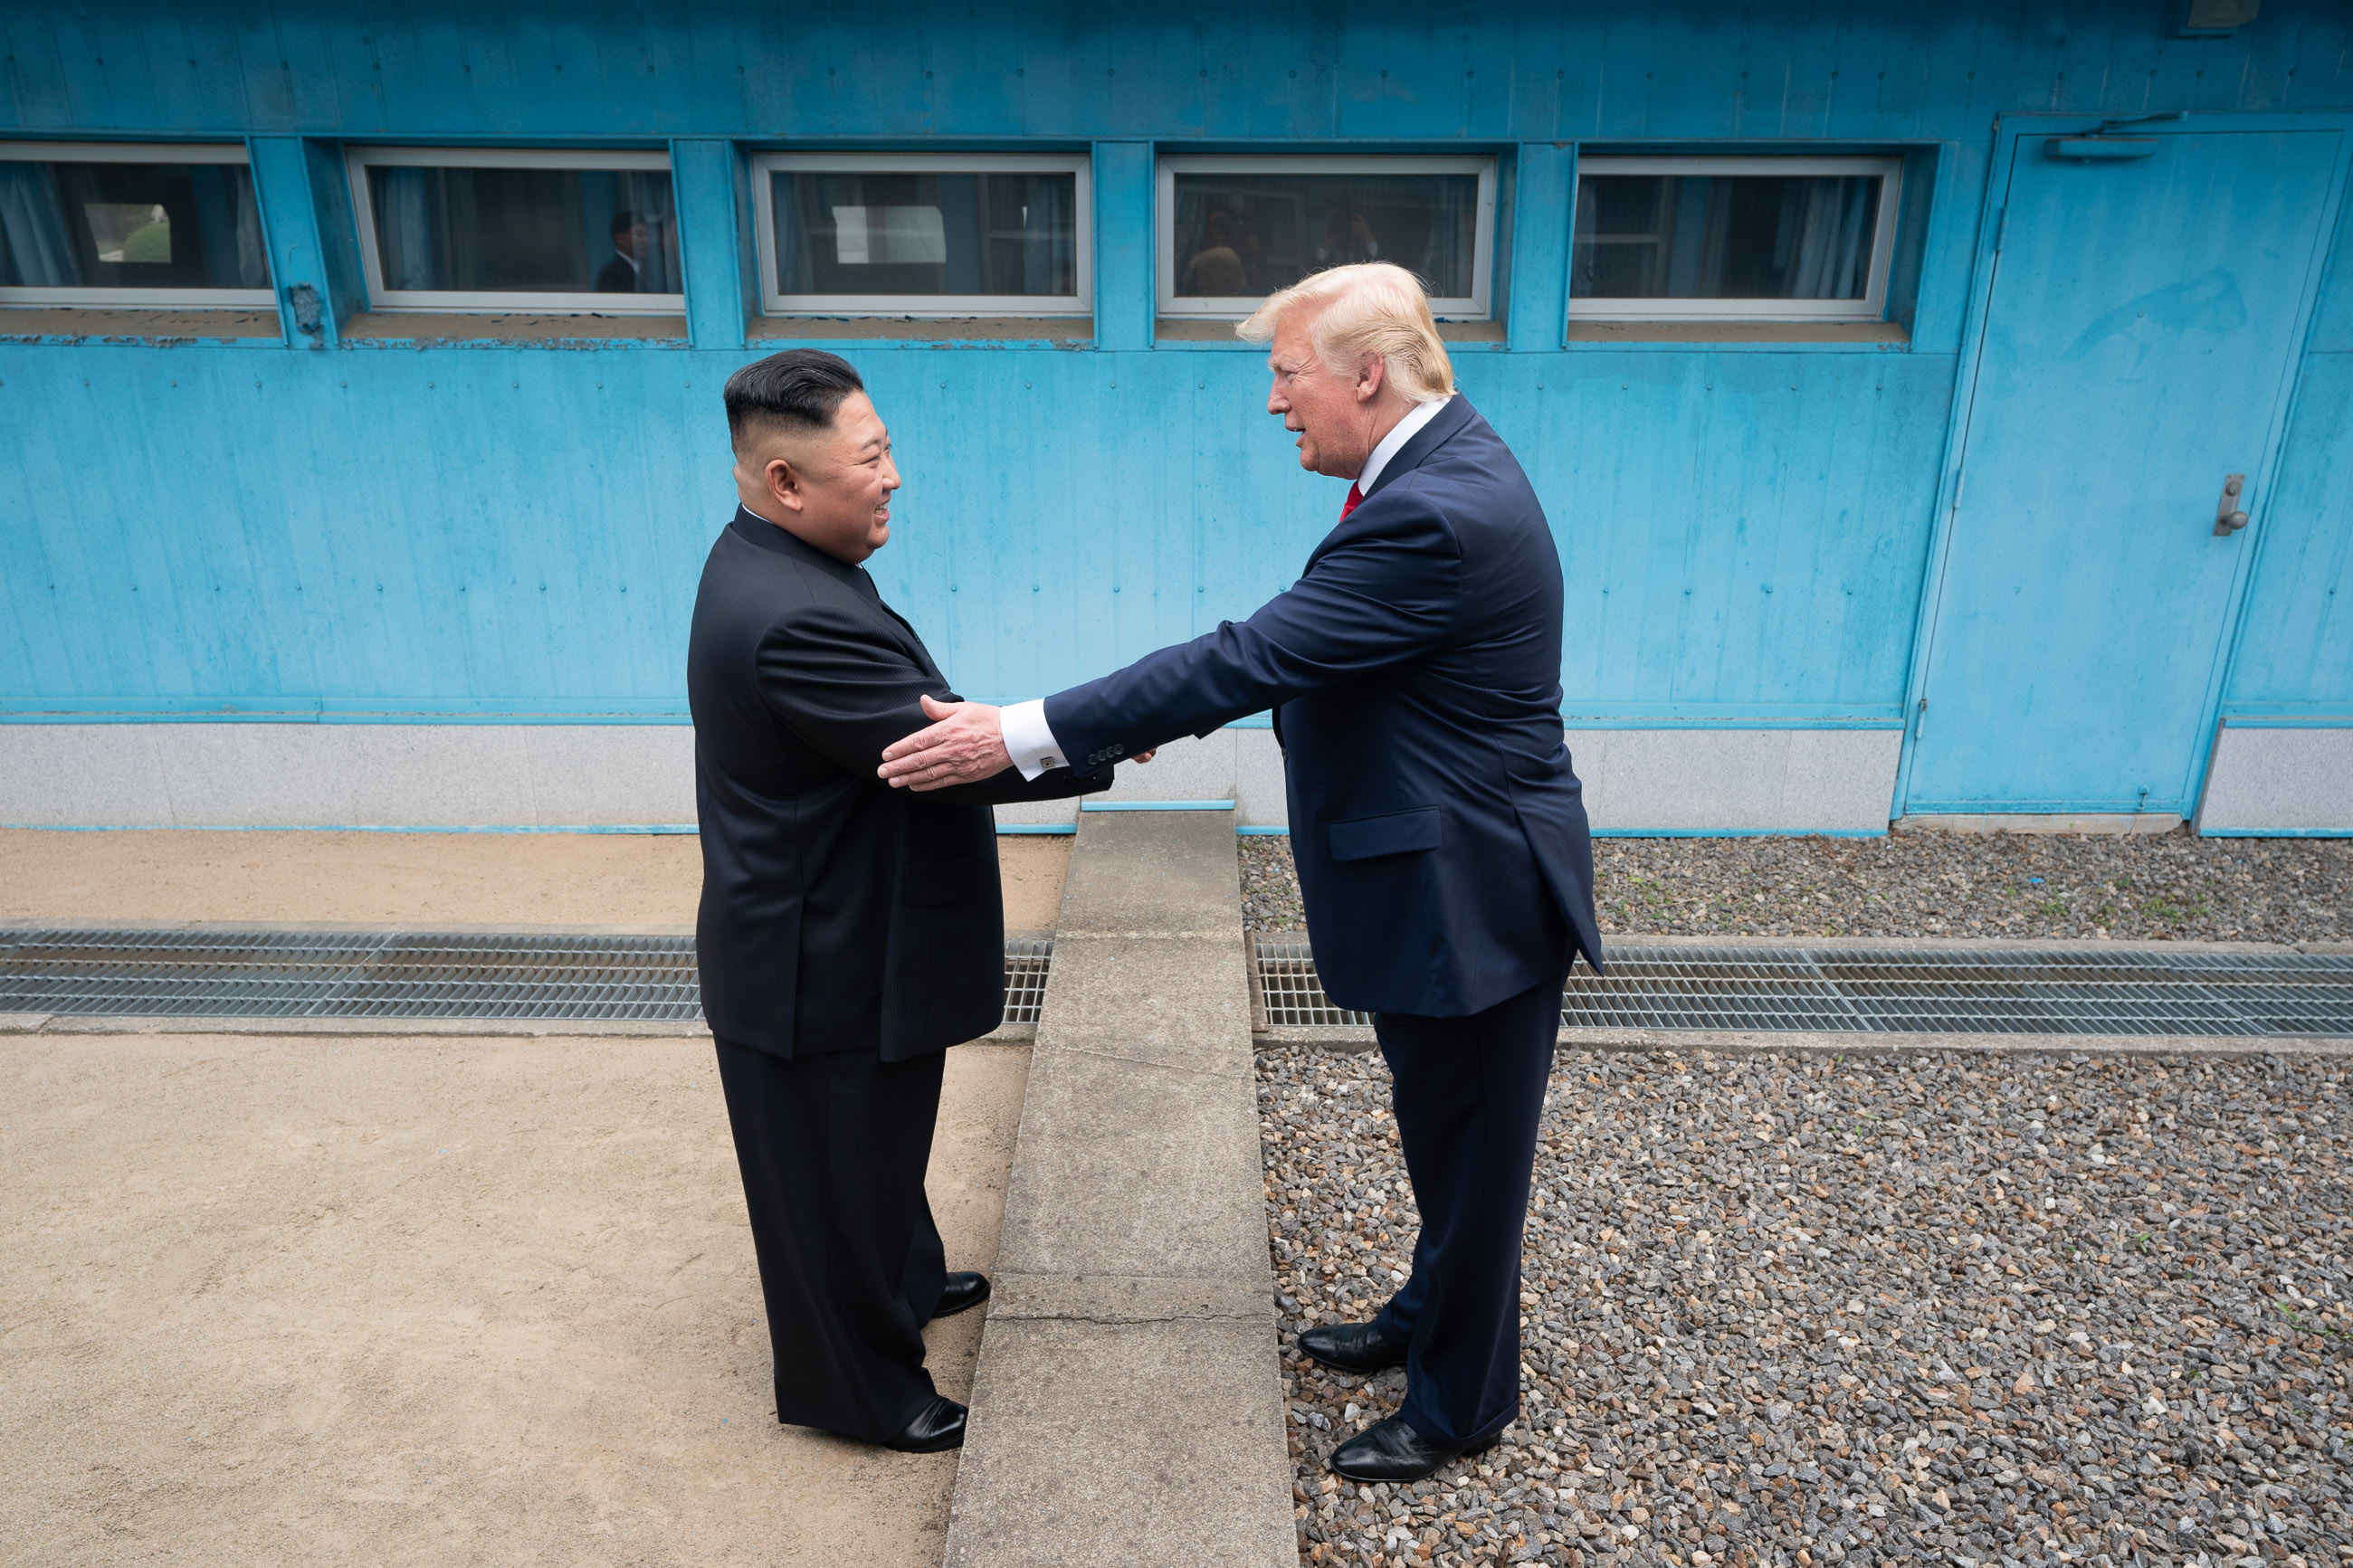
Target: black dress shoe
[937,1425]
[1389,1450]
[1351,1347]
[965,1290]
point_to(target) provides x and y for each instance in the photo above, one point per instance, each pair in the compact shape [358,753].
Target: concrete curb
[1127,1407]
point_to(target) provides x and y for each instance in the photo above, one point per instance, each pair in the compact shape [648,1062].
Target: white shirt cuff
[1027,741]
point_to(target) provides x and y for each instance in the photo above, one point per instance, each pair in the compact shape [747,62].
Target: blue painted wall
[491,530]
[2295,650]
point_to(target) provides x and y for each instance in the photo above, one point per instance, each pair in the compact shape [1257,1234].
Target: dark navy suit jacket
[1414,671]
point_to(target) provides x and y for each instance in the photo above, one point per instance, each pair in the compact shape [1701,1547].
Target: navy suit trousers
[1468,1094]
[832,1147]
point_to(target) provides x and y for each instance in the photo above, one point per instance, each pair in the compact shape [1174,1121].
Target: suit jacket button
[1119,750]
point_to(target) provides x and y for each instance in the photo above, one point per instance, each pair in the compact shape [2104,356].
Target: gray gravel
[1999,885]
[1932,1309]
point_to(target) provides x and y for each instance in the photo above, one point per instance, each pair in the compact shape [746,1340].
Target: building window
[889,235]
[116,224]
[1733,238]
[511,228]
[1234,230]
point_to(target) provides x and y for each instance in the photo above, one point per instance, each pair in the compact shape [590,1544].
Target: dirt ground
[423,878]
[421,1300]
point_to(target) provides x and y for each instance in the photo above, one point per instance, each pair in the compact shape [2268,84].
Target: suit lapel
[1451,422]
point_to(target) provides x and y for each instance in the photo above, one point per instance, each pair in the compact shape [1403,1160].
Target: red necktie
[1355,499]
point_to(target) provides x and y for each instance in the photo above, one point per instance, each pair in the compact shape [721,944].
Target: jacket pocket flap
[1397,833]
[930,882]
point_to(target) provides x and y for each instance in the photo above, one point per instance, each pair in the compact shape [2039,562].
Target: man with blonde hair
[1414,675]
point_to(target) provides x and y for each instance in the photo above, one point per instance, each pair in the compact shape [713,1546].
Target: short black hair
[797,389]
[625,221]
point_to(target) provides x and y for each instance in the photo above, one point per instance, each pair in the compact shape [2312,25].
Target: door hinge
[1960,484]
[2000,230]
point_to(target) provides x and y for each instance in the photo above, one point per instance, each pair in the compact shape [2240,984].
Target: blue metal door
[2147,300]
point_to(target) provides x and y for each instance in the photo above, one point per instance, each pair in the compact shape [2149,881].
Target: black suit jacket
[617,277]
[838,913]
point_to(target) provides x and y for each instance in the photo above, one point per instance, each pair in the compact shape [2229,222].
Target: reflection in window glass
[1723,236]
[524,231]
[871,233]
[1242,235]
[130,226]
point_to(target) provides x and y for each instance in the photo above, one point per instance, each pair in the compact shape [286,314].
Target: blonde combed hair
[1370,310]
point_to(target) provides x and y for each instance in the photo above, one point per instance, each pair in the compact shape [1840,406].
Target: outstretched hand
[963,745]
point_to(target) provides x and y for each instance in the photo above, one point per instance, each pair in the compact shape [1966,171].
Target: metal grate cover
[1915,990]
[1026,962]
[371,975]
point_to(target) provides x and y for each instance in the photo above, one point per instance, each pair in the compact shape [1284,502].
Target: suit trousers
[1468,1094]
[832,1148]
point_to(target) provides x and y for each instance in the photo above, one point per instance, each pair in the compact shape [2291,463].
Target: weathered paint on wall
[395,523]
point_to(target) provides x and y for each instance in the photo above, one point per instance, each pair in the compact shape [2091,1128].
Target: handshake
[964,744]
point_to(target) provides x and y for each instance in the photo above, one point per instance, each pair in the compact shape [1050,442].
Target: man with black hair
[848,932]
[624,268]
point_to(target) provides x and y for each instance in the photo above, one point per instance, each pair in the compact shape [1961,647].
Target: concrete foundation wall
[2280,781]
[355,775]
[1737,781]
[569,775]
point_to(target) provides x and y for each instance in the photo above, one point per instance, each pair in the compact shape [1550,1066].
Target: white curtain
[1447,254]
[1049,249]
[405,227]
[1833,251]
[36,250]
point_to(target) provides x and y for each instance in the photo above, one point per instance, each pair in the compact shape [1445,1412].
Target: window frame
[80,297]
[1871,307]
[1477,306]
[765,166]
[359,158]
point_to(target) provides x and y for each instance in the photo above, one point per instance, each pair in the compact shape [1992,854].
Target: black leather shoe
[965,1291]
[937,1425]
[1389,1450]
[1351,1347]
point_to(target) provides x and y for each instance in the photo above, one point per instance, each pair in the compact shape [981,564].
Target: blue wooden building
[1943,411]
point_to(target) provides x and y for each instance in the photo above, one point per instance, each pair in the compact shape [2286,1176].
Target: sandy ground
[425,1301]
[423,878]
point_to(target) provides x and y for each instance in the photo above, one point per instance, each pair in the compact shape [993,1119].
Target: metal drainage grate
[1026,962]
[1292,992]
[367,975]
[1916,990]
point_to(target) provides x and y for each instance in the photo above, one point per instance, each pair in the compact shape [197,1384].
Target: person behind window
[1217,268]
[1347,238]
[624,272]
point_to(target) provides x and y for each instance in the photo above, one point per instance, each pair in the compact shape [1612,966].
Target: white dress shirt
[1031,743]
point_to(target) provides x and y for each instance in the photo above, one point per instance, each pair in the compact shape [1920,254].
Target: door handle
[2228,518]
